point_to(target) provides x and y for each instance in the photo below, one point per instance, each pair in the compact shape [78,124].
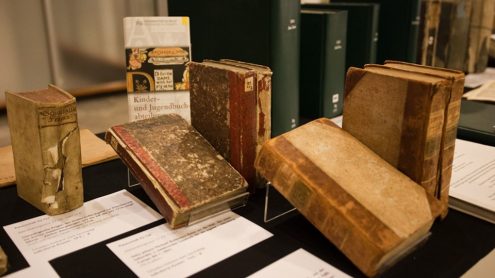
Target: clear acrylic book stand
[208,211]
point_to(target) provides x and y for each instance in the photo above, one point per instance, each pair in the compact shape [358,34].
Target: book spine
[329,214]
[374,33]
[143,179]
[284,55]
[413,31]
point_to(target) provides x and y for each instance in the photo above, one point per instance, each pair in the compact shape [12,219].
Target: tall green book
[264,32]
[322,63]
[398,27]
[362,30]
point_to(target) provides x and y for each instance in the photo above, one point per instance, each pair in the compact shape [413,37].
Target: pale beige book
[366,207]
[93,151]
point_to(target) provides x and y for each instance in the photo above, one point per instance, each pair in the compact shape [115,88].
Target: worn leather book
[263,106]
[223,110]
[480,29]
[46,148]
[178,169]
[362,204]
[399,114]
[428,31]
[451,121]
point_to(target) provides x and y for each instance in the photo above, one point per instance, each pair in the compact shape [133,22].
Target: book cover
[367,208]
[428,31]
[398,27]
[178,169]
[263,32]
[46,147]
[322,64]
[263,106]
[157,50]
[223,110]
[399,114]
[451,121]
[362,30]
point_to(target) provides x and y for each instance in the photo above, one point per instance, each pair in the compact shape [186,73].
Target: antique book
[398,27]
[263,106]
[47,150]
[181,172]
[453,34]
[451,120]
[428,31]
[480,29]
[322,64]
[93,151]
[367,208]
[157,50]
[4,263]
[263,32]
[362,30]
[399,114]
[223,110]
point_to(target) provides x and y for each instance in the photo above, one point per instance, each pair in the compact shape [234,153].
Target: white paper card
[164,252]
[300,263]
[473,174]
[44,238]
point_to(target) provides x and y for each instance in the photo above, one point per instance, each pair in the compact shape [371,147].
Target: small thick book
[322,64]
[47,150]
[181,172]
[224,111]
[366,207]
[451,121]
[400,115]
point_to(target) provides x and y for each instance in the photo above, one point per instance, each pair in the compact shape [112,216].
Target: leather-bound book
[399,115]
[47,149]
[366,207]
[451,121]
[263,106]
[179,170]
[223,110]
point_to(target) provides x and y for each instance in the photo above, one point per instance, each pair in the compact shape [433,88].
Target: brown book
[223,110]
[451,120]
[181,172]
[428,31]
[480,30]
[399,115]
[47,149]
[263,106]
[362,204]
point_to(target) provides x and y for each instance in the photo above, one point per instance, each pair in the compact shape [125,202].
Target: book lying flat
[366,207]
[180,171]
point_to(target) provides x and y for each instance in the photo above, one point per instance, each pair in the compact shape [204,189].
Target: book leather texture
[399,115]
[224,109]
[46,148]
[362,204]
[451,121]
[178,169]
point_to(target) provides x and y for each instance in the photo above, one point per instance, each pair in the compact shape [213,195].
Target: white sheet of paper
[164,252]
[44,238]
[473,174]
[474,80]
[300,263]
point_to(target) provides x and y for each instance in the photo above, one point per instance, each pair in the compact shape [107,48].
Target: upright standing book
[223,110]
[181,172]
[428,31]
[47,148]
[263,32]
[368,209]
[480,29]
[398,28]
[451,121]
[399,115]
[362,30]
[322,64]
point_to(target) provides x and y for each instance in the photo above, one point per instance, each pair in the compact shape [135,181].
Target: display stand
[283,206]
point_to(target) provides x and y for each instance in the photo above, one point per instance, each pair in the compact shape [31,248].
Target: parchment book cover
[157,50]
[179,170]
[362,204]
[47,148]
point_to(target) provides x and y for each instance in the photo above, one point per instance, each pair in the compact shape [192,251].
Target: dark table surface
[456,243]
